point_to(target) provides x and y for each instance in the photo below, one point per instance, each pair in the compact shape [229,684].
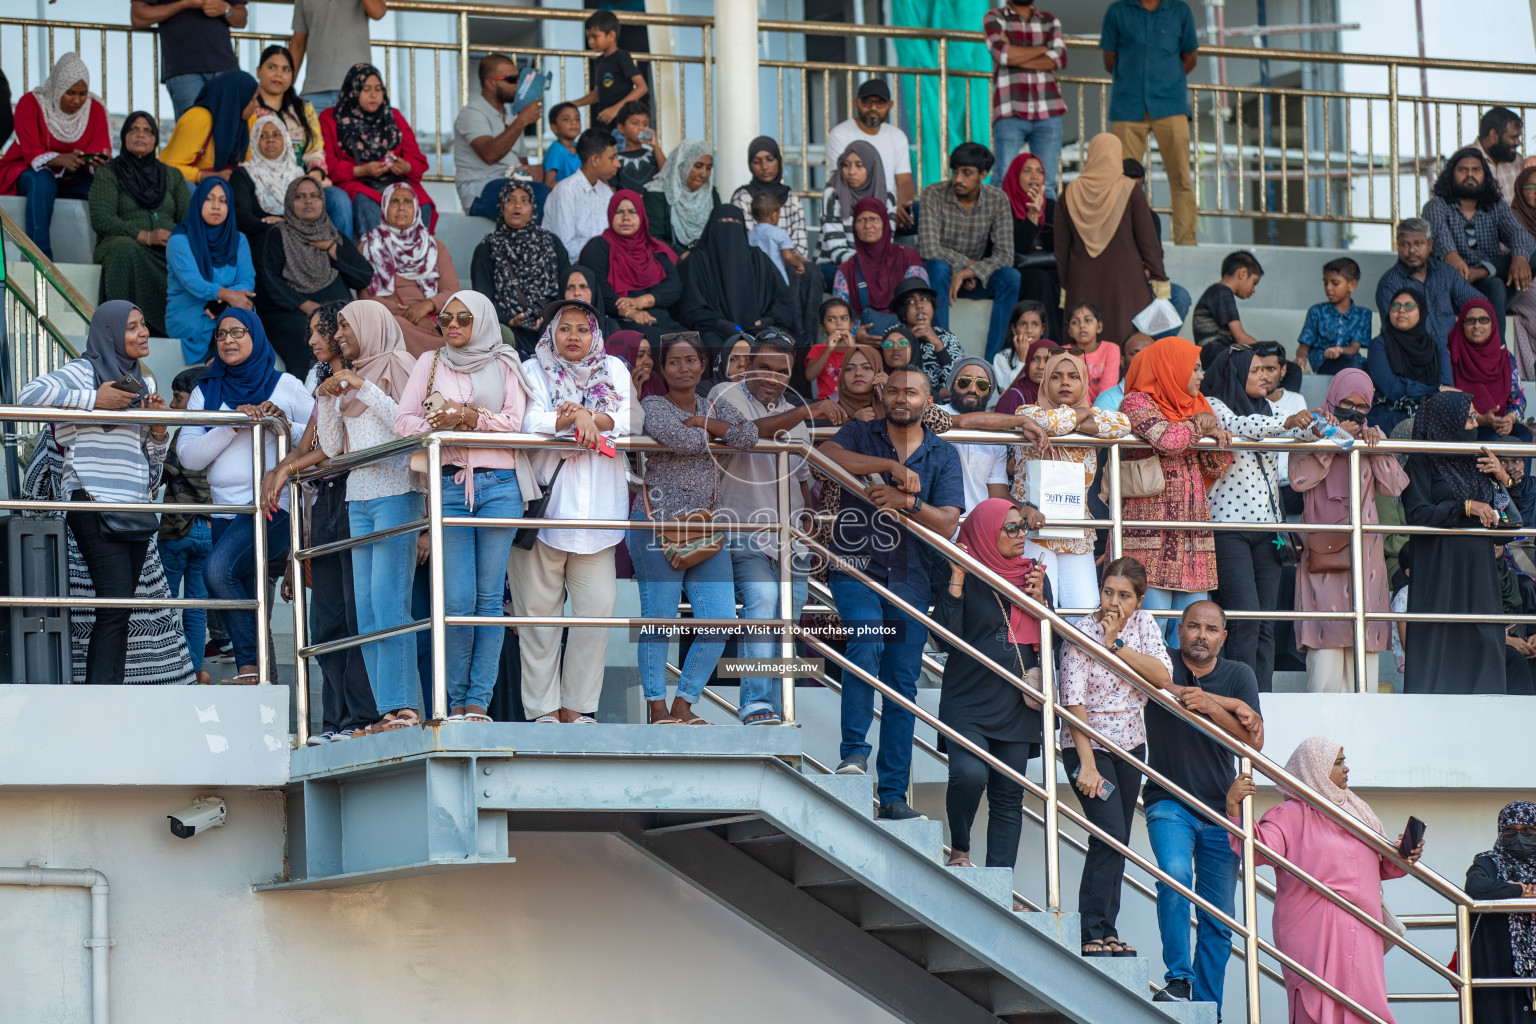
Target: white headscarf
[1312,763]
[410,252]
[68,70]
[271,177]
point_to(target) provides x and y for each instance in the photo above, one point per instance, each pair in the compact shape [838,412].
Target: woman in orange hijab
[1167,410]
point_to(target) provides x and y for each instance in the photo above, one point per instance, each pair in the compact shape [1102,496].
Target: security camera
[205,813]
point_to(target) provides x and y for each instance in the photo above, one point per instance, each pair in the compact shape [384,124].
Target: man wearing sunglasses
[1476,233]
[985,466]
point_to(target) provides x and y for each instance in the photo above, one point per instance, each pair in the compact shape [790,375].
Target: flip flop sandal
[243,679]
[1102,949]
[695,720]
[763,718]
[403,719]
[475,716]
[960,862]
[669,720]
[551,719]
[1118,948]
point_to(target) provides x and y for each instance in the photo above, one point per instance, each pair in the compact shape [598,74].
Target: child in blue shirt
[772,239]
[560,159]
[1336,331]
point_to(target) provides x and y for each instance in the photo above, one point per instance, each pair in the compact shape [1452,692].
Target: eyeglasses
[981,384]
[1478,321]
[1403,307]
[1528,188]
[230,332]
[450,319]
[1013,529]
[896,343]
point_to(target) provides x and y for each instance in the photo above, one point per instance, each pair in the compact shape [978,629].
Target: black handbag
[1504,505]
[128,527]
[534,509]
[1034,261]
[1287,551]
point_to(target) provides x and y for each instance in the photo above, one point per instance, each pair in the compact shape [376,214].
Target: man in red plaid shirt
[1027,51]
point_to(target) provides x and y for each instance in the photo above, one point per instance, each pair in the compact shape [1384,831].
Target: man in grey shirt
[334,34]
[487,147]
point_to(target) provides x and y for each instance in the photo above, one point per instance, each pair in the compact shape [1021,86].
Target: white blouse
[1249,492]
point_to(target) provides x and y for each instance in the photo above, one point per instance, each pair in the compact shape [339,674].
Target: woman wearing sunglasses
[474,382]
[981,705]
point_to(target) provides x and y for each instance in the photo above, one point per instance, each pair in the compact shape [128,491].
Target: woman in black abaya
[729,285]
[1452,573]
[1504,945]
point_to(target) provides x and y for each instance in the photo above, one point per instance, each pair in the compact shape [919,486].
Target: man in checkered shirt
[1027,51]
[1475,232]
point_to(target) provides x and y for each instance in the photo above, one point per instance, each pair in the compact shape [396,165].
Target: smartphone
[606,447]
[1105,786]
[1413,835]
[128,384]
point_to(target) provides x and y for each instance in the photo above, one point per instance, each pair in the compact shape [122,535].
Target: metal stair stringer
[873,879]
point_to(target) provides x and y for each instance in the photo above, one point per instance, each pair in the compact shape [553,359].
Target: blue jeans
[231,574]
[339,208]
[183,559]
[381,583]
[184,89]
[1194,851]
[895,660]
[713,596]
[42,189]
[757,588]
[1043,137]
[366,214]
[1002,288]
[1158,599]
[485,204]
[322,101]
[474,576]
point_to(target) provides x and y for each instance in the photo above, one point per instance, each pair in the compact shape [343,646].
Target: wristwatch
[917,503]
[1119,643]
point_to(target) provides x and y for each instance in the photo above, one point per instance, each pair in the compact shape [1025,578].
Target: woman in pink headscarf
[1322,478]
[639,270]
[1328,941]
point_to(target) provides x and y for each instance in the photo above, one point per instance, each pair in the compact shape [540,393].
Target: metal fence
[1278,154]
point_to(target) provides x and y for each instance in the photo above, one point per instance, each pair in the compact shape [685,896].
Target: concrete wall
[580,929]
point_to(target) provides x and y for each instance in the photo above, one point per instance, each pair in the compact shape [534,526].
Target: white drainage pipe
[35,876]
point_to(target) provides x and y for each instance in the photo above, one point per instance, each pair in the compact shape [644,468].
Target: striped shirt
[116,464]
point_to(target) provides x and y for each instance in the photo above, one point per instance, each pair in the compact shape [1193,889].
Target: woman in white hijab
[260,184]
[1326,940]
[478,384]
[61,138]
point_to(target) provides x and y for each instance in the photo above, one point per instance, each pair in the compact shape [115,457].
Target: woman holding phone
[1106,785]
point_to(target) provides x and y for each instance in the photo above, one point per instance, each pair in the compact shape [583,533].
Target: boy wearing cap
[895,149]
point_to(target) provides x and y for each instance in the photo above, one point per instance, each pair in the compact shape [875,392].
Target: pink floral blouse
[1114,703]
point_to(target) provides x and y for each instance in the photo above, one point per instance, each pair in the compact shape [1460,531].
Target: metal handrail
[169,418]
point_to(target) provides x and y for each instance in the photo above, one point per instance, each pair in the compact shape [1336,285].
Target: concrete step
[857,791]
[994,883]
[73,239]
[924,836]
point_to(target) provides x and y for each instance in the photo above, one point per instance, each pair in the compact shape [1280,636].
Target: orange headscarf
[1162,370]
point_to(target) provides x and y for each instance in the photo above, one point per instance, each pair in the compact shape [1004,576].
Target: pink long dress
[1316,934]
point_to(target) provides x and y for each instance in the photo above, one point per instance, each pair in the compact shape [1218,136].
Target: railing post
[1357,566]
[296,542]
[463,59]
[786,585]
[1464,963]
[435,577]
[1048,769]
[259,554]
[1117,538]
[943,104]
[1250,904]
[709,87]
[1392,147]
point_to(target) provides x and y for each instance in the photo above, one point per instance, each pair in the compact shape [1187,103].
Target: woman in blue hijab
[242,378]
[209,269]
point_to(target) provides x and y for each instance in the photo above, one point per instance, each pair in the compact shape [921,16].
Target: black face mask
[1347,415]
[1519,845]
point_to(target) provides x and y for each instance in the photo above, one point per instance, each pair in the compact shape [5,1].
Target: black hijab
[776,187]
[141,177]
[725,277]
[1227,379]
[1443,417]
[1412,353]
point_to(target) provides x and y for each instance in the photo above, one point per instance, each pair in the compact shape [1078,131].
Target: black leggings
[114,566]
[1098,895]
[969,775]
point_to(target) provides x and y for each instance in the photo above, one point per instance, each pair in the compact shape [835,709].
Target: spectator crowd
[285,238]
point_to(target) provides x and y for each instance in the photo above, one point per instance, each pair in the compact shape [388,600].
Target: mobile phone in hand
[605,447]
[1413,835]
[128,384]
[1105,786]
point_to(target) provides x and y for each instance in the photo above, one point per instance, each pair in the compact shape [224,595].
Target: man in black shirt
[1187,843]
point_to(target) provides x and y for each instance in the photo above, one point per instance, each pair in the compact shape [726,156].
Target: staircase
[733,812]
